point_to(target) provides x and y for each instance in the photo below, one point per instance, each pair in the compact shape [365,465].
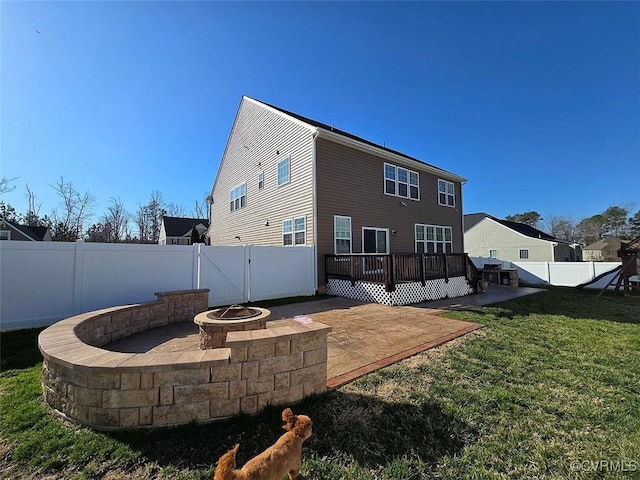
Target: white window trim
[377,229]
[398,182]
[335,245]
[372,264]
[286,159]
[435,240]
[287,234]
[447,195]
[232,198]
[304,230]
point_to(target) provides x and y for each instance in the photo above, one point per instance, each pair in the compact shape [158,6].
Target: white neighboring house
[177,230]
[487,236]
[14,231]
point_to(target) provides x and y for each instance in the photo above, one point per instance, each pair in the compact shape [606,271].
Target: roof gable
[335,132]
[37,234]
[181,226]
[472,219]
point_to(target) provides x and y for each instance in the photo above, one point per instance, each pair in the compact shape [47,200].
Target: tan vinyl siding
[350,182]
[489,235]
[259,140]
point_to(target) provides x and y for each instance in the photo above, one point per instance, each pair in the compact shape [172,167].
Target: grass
[549,389]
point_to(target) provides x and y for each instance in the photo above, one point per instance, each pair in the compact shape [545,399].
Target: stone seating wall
[113,390]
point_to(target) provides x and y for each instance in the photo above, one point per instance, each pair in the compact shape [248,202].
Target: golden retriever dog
[282,458]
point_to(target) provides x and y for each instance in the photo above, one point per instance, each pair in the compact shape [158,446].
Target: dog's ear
[289,418]
[302,426]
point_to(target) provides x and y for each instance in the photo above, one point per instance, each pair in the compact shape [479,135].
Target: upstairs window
[5,234]
[284,171]
[446,193]
[401,182]
[260,180]
[493,253]
[238,197]
[524,254]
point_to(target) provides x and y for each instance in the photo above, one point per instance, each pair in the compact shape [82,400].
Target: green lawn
[549,389]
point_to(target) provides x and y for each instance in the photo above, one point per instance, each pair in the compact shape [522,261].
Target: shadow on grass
[568,302]
[19,348]
[371,431]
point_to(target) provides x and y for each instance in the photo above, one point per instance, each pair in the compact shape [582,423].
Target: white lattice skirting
[405,294]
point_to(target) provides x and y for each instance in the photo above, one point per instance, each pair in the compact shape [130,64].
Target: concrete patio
[365,336]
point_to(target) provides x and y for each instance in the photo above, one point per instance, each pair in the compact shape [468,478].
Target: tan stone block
[294,346]
[90,397]
[166,395]
[280,397]
[260,350]
[103,380]
[312,340]
[129,417]
[314,388]
[315,357]
[103,417]
[283,347]
[159,322]
[237,388]
[146,416]
[239,354]
[260,385]
[180,414]
[224,408]
[280,364]
[189,296]
[129,398]
[314,374]
[249,404]
[129,381]
[226,373]
[146,380]
[201,393]
[181,377]
[250,369]
[282,380]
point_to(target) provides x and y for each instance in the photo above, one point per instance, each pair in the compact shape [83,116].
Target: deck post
[390,284]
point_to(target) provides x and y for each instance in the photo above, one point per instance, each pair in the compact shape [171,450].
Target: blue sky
[537,104]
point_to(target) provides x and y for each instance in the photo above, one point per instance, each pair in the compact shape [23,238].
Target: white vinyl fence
[43,282]
[560,274]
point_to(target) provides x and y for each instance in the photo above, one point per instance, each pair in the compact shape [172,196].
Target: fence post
[195,269]
[247,266]
[78,276]
[548,273]
[423,280]
[446,268]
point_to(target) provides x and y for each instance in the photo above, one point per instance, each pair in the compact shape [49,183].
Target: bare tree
[76,210]
[175,210]
[117,220]
[148,218]
[560,227]
[6,184]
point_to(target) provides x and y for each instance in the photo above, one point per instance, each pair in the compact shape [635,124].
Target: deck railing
[394,268]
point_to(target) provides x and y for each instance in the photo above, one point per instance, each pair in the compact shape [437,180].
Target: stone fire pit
[215,324]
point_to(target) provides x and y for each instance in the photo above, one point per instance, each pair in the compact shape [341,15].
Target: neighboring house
[13,231]
[285,179]
[487,236]
[177,230]
[605,250]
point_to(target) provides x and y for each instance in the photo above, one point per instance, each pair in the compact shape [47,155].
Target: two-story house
[491,237]
[285,179]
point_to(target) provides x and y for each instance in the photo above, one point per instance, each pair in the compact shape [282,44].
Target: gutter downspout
[314,182]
